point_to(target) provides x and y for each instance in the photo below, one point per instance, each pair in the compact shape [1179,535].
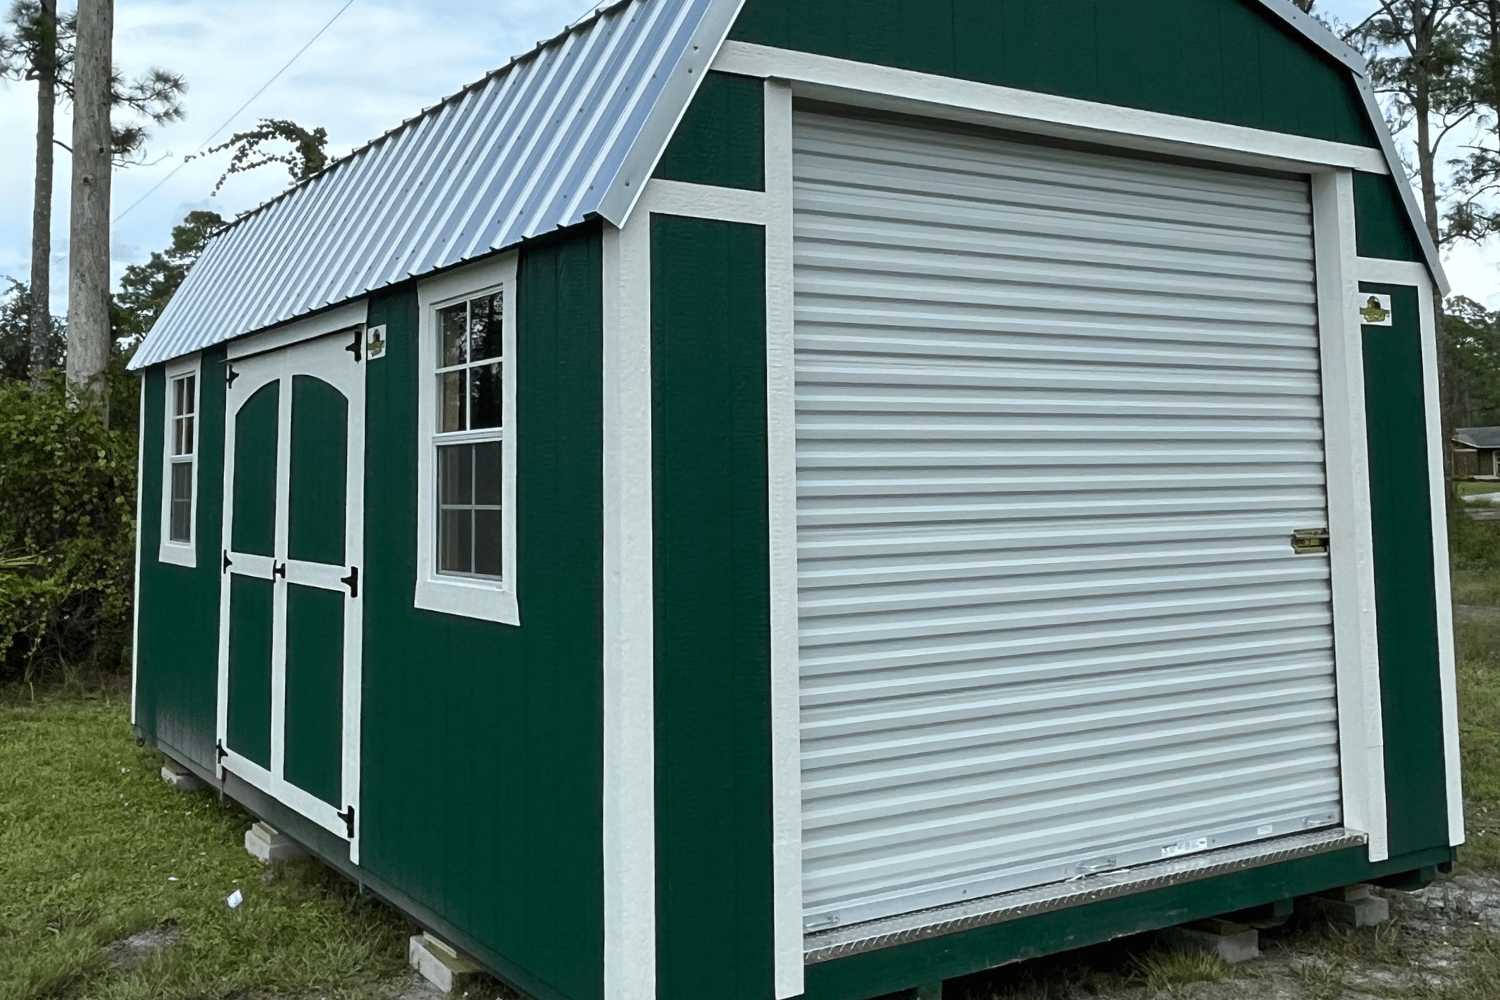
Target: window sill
[468,599]
[179,554]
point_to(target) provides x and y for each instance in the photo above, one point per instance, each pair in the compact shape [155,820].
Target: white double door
[291,607]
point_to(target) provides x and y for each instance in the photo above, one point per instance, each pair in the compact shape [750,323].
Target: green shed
[760,499]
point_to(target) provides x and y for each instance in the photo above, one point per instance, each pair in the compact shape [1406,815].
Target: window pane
[189,394]
[177,387]
[487,474]
[453,335]
[176,436]
[484,384]
[487,333]
[453,401]
[456,541]
[187,436]
[487,542]
[456,475]
[182,520]
[182,502]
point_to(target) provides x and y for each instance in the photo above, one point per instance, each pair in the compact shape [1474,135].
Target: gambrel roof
[569,131]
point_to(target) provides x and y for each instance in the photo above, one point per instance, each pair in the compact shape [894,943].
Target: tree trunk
[88,252]
[40,320]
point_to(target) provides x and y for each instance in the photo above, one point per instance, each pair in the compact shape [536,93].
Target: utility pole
[88,253]
[40,324]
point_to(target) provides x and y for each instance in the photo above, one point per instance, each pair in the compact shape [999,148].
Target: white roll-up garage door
[1058,414]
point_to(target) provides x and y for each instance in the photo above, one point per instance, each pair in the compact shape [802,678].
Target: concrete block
[1352,906]
[180,777]
[269,844]
[440,963]
[1232,942]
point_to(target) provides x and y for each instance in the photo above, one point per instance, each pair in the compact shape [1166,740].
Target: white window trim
[487,600]
[180,553]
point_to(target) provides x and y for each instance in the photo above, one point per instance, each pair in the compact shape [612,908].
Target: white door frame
[327,358]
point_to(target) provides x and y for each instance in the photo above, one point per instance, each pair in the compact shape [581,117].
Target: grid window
[470,393]
[184,415]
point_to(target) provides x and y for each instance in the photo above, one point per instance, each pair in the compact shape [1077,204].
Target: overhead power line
[216,133]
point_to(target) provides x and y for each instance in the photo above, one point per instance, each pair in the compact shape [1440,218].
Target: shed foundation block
[269,844]
[180,777]
[1232,942]
[440,964]
[1352,906]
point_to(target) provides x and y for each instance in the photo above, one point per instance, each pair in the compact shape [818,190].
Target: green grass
[1162,970]
[1469,487]
[1477,638]
[94,847]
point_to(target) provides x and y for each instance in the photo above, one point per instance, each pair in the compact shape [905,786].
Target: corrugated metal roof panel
[536,146]
[570,130]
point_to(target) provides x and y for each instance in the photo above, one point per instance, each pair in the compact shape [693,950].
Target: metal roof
[567,131]
[1477,437]
[570,130]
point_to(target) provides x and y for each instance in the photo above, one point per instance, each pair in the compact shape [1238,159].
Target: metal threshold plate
[841,942]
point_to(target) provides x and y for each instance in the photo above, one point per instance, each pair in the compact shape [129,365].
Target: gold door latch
[1310,542]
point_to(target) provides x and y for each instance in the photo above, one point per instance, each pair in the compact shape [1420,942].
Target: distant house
[1476,451]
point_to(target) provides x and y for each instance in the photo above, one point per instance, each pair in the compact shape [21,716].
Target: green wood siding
[1218,60]
[256,430]
[1382,227]
[721,139]
[713,730]
[1405,595]
[319,473]
[482,766]
[248,727]
[177,660]
[315,691]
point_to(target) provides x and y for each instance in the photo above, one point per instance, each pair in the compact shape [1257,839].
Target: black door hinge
[278,569]
[358,347]
[348,817]
[352,581]
[228,562]
[222,752]
[230,375]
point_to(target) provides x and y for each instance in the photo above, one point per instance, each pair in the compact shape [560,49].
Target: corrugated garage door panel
[1057,414]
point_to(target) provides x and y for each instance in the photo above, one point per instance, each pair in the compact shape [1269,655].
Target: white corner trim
[1443,583]
[1351,554]
[135,610]
[781,459]
[905,91]
[1401,272]
[701,201]
[1394,272]
[350,314]
[629,619]
[180,553]
[494,601]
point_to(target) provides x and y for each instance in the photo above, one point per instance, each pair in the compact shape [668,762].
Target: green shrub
[67,532]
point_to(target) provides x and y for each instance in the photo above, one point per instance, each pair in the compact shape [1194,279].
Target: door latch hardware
[352,581]
[348,817]
[230,375]
[278,569]
[228,562]
[1310,542]
[358,347]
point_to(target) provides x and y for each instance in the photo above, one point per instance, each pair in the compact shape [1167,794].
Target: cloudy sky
[381,62]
